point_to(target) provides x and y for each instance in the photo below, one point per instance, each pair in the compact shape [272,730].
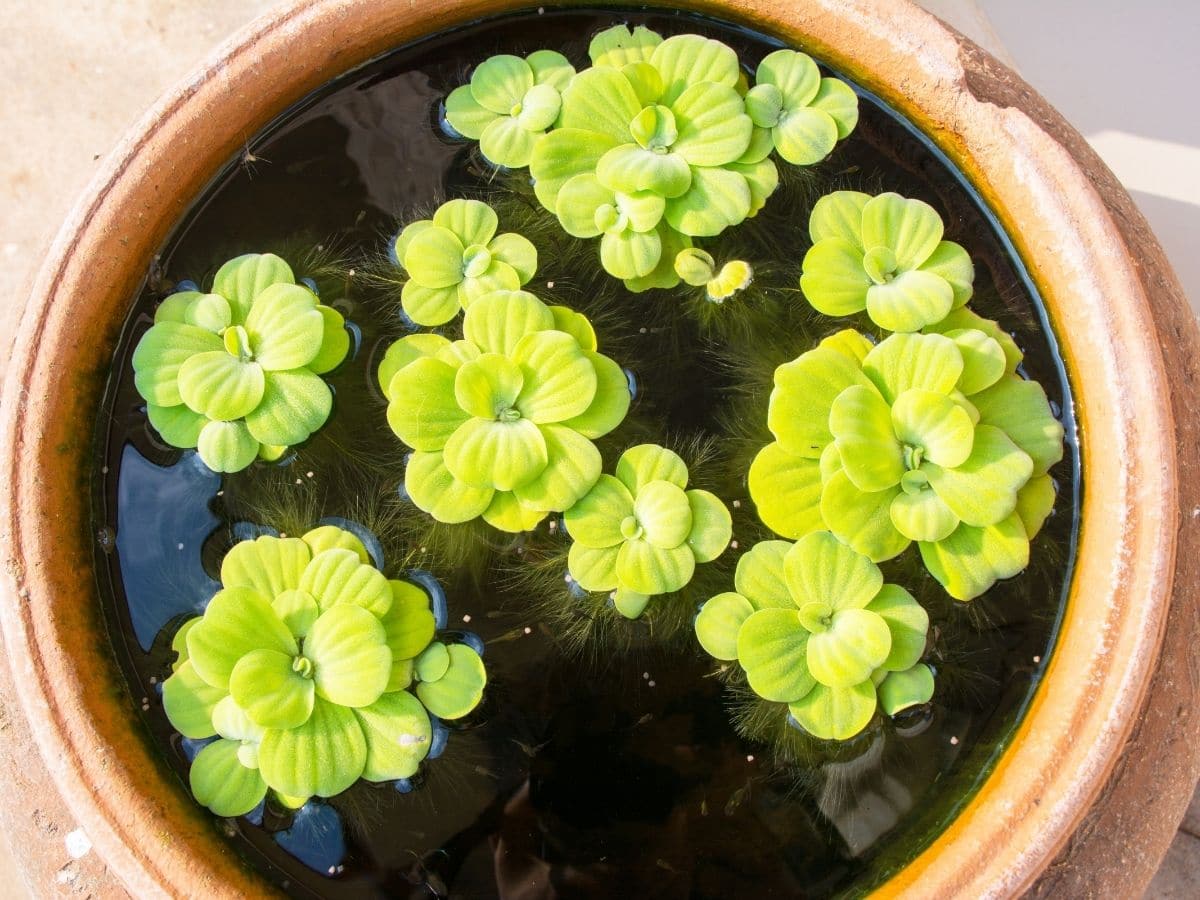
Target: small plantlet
[457,256]
[235,373]
[886,255]
[301,667]
[641,533]
[814,626]
[697,267]
[925,437]
[502,421]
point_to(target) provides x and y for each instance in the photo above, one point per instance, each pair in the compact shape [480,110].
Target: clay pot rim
[1068,743]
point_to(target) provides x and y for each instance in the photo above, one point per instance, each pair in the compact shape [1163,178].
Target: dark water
[604,761]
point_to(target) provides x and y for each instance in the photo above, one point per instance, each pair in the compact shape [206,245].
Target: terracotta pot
[1112,732]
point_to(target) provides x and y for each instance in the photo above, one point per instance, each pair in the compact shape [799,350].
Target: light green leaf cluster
[698,268]
[301,666]
[502,421]
[814,626]
[457,256]
[235,372]
[931,438]
[884,254]
[641,533]
[657,143]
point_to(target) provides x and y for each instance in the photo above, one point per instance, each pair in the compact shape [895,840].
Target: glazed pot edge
[1037,182]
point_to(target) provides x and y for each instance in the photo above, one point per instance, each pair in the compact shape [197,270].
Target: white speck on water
[179,546]
[528,630]
[154,679]
[351,273]
[549,284]
[220,493]
[299,481]
[467,617]
[78,844]
[651,683]
[104,470]
[645,675]
[1037,659]
[953,742]
[733,545]
[750,758]
[642,330]
[424,549]
[308,474]
[541,10]
[737,504]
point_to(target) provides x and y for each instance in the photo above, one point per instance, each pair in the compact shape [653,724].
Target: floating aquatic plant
[235,372]
[925,437]
[814,626]
[641,533]
[302,665]
[698,268]
[502,421]
[509,103]
[884,254]
[457,256]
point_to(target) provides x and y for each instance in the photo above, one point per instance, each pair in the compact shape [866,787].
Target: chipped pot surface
[1139,433]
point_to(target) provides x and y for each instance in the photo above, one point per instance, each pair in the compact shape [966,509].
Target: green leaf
[719,622]
[762,177]
[805,136]
[712,526]
[629,168]
[506,142]
[862,520]
[664,275]
[559,379]
[351,660]
[266,565]
[435,491]
[408,626]
[432,663]
[952,263]
[835,714]
[226,446]
[406,235]
[1035,502]
[577,326]
[551,68]
[285,329]
[764,105]
[901,690]
[233,723]
[517,252]
[786,489]
[398,734]
[628,254]
[336,577]
[272,693]
[189,701]
[1019,408]
[321,758]
[465,115]
[330,537]
[539,108]
[595,521]
[922,516]
[434,257]
[647,83]
[220,386]
[644,463]
[610,403]
[772,647]
[911,229]
[654,128]
[297,610]
[963,318]
[934,423]
[629,603]
[664,515]
[600,100]
[573,465]
[821,569]
[243,278]
[861,423]
[838,99]
[760,577]
[971,560]
[335,341]
[760,147]
[208,311]
[908,623]
[983,489]
[425,412]
[695,266]
[716,199]
[618,46]
[686,59]
[594,569]
[647,569]
[930,362]
[855,644]
[220,781]
[562,154]
[237,621]
[805,389]
[983,360]
[794,74]
[498,321]
[713,129]
[499,82]
[909,302]
[160,354]
[405,351]
[834,280]
[179,642]
[177,425]
[430,306]
[487,386]
[294,405]
[839,215]
[174,308]
[460,689]
[502,455]
[507,514]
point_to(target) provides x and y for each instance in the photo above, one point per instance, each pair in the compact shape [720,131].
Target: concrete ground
[79,72]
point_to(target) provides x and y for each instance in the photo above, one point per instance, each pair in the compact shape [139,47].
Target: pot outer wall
[1113,732]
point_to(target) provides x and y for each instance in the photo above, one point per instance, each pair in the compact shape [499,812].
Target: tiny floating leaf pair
[641,533]
[235,372]
[697,268]
[814,626]
[502,421]
[925,437]
[301,665]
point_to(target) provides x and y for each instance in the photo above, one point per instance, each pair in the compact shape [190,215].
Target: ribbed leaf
[189,700]
[321,758]
[398,734]
[266,565]
[265,685]
[786,490]
[719,622]
[835,714]
[351,660]
[772,647]
[220,781]
[434,490]
[336,577]
[821,569]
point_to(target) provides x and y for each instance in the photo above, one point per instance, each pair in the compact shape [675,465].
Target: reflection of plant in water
[301,666]
[642,533]
[235,372]
[502,421]
[814,626]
